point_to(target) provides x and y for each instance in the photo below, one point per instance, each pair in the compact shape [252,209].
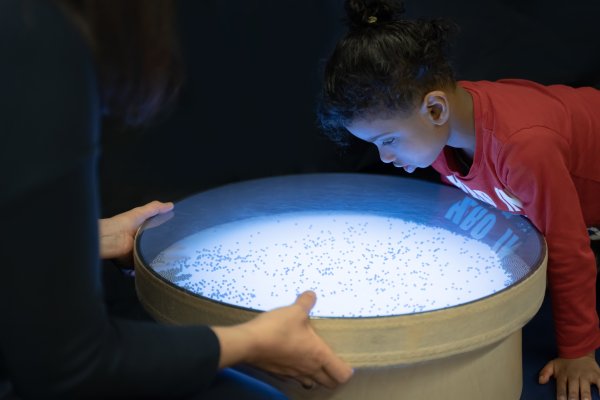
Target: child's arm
[535,166]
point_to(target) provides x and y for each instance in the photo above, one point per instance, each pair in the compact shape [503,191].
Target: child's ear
[435,107]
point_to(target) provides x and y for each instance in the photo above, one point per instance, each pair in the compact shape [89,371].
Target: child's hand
[574,377]
[117,233]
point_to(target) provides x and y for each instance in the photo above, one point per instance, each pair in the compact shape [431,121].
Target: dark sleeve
[56,339]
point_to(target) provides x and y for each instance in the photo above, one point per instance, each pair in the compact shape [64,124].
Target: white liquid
[359,265]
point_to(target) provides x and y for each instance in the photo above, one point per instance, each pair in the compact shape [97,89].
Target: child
[517,145]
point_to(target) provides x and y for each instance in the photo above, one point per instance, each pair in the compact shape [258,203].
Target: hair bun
[361,13]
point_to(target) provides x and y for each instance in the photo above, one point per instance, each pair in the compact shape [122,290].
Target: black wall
[253,73]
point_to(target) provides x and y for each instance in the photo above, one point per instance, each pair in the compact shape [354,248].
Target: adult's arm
[56,339]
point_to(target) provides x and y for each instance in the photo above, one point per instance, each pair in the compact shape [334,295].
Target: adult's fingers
[307,383]
[307,300]
[160,219]
[332,377]
[339,370]
[324,379]
[151,209]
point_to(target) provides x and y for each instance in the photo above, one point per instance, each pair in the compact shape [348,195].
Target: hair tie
[372,19]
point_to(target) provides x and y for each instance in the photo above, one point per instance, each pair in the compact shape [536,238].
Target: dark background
[254,71]
[253,74]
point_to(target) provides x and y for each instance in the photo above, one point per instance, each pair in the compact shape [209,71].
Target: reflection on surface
[359,265]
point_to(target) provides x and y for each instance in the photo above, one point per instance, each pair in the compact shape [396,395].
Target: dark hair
[383,64]
[136,53]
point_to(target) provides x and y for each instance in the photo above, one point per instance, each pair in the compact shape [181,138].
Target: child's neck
[462,123]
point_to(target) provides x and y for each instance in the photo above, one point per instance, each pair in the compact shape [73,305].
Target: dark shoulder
[48,102]
[26,22]
[38,34]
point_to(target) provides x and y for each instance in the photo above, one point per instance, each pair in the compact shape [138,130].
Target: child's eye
[388,141]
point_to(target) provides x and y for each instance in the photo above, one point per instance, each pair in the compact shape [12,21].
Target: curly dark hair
[383,65]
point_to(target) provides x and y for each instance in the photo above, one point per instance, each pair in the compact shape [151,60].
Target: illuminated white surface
[359,265]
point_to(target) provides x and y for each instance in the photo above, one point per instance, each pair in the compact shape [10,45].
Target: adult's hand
[117,233]
[283,342]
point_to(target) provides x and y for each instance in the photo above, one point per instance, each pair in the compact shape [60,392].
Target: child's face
[407,142]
